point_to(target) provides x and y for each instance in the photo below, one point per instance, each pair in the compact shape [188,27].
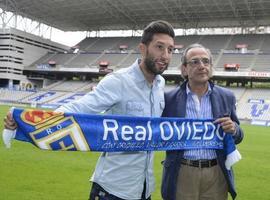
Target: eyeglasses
[196,62]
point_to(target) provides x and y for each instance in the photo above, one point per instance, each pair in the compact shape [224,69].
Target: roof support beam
[124,13]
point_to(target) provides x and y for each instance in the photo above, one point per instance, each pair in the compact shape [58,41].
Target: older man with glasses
[200,174]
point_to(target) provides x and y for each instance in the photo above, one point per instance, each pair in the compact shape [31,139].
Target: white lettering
[196,129]
[211,136]
[49,131]
[189,131]
[126,131]
[166,123]
[179,133]
[108,129]
[149,130]
[141,133]
[59,126]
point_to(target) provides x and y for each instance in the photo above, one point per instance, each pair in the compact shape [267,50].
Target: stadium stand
[129,59]
[189,39]
[262,62]
[224,50]
[253,41]
[42,97]
[220,42]
[66,98]
[13,96]
[254,104]
[70,86]
[84,59]
[130,42]
[244,60]
[175,62]
[265,48]
[104,44]
[87,43]
[238,92]
[113,58]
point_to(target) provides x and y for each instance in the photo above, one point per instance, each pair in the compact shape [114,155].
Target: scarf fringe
[232,158]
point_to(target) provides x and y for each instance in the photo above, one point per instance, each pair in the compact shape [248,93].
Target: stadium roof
[94,15]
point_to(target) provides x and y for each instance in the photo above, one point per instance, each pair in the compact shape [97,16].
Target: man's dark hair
[156,27]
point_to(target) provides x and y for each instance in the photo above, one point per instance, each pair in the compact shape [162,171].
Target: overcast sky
[68,38]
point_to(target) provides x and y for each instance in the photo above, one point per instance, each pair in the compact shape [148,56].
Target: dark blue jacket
[223,103]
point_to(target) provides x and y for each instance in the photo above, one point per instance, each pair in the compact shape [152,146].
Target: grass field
[27,173]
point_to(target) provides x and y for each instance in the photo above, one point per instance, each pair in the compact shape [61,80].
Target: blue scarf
[110,133]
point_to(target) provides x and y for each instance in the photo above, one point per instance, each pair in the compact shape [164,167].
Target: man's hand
[9,122]
[227,124]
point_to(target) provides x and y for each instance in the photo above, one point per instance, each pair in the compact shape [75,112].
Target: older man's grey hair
[184,56]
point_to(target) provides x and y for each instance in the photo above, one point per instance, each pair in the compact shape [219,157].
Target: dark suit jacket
[223,103]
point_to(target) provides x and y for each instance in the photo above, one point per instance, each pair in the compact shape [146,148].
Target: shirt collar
[140,76]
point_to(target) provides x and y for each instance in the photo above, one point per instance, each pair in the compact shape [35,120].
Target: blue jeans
[98,193]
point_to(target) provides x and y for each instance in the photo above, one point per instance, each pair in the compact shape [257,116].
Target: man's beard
[151,66]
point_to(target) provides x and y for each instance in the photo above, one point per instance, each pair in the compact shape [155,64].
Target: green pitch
[27,173]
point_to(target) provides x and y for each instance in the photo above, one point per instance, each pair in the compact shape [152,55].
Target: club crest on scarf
[38,117]
[52,130]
